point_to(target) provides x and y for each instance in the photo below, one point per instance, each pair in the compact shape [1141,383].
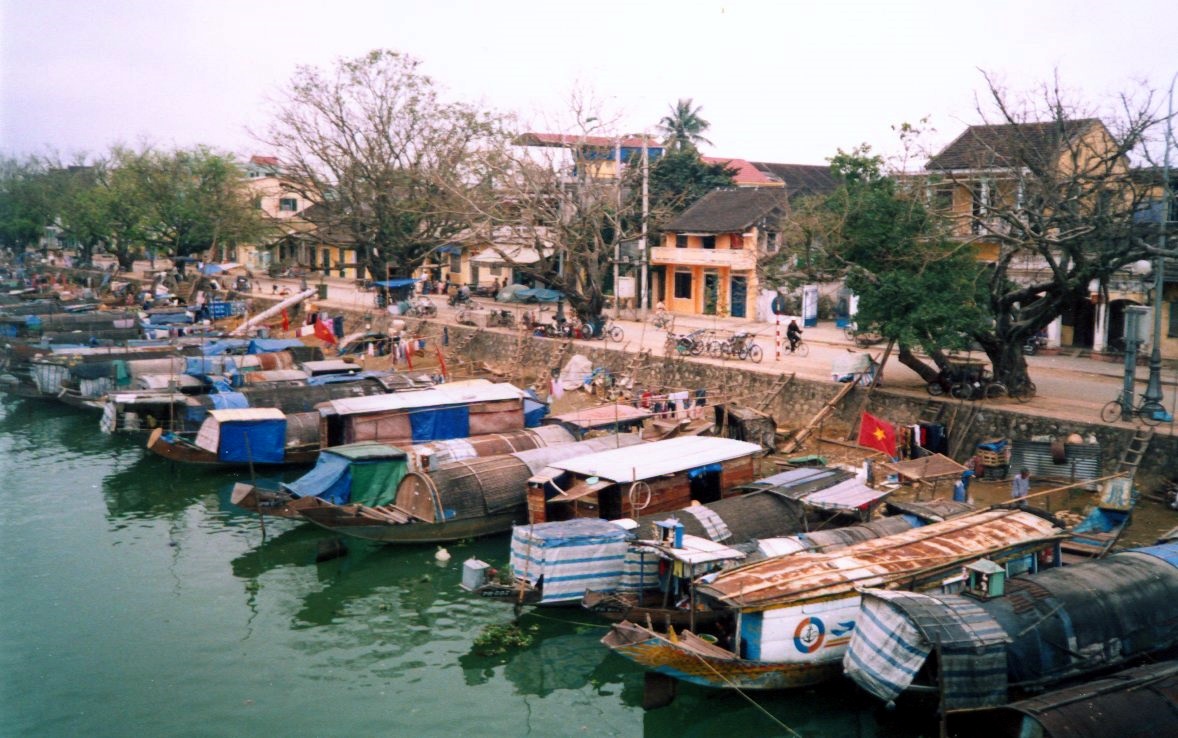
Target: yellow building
[980,180]
[707,264]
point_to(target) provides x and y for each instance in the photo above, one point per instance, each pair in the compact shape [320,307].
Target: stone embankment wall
[799,400]
[792,405]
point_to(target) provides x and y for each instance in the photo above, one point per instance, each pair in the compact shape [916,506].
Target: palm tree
[684,127]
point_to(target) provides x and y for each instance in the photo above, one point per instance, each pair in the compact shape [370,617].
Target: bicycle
[1149,411]
[742,346]
[611,330]
[688,343]
[1022,392]
[801,348]
[661,320]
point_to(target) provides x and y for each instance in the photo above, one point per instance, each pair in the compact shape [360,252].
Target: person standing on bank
[1021,486]
[961,487]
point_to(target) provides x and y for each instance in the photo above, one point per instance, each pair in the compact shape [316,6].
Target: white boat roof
[456,393]
[657,458]
[695,550]
[247,413]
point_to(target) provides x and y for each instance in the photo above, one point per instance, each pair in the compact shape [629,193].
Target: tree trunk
[907,358]
[1009,362]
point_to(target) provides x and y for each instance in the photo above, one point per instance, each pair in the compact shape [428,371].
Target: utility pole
[643,252]
[617,228]
[1153,390]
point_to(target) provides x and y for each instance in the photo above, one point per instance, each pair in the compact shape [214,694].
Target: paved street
[1069,387]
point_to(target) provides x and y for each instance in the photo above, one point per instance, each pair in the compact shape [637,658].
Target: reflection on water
[140,602]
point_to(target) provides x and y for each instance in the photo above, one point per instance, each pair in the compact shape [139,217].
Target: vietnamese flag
[877,434]
[323,332]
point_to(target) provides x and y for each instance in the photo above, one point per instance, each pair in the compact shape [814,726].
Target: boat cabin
[358,473]
[667,475]
[454,410]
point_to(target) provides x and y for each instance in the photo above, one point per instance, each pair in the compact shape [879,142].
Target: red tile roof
[746,174]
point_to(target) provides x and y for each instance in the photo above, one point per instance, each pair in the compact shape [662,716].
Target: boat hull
[691,659]
[347,521]
[184,452]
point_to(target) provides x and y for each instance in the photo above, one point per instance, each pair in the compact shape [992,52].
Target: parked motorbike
[504,318]
[423,307]
[1033,344]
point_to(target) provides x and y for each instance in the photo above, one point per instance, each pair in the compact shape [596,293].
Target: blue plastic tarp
[201,365]
[342,378]
[440,423]
[699,471]
[229,401]
[271,345]
[534,410]
[330,479]
[538,294]
[393,284]
[266,441]
[224,346]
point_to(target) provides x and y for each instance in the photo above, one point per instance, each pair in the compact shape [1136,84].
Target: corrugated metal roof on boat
[847,496]
[775,582]
[658,458]
[429,397]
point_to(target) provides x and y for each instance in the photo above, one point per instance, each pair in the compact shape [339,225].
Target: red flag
[877,434]
[285,320]
[323,332]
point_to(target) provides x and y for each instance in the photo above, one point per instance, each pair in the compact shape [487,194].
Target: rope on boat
[747,698]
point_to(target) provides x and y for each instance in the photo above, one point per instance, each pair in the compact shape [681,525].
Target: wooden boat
[672,603]
[459,500]
[980,648]
[244,437]
[1142,701]
[792,616]
[1100,530]
[627,567]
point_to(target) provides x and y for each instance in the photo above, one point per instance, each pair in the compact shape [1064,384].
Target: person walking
[1021,486]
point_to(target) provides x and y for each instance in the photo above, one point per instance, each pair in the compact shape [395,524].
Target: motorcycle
[423,307]
[504,318]
[459,299]
[1033,344]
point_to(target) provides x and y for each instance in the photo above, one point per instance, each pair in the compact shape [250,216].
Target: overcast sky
[778,81]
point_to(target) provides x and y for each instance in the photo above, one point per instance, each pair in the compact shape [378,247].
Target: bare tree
[1054,187]
[392,166]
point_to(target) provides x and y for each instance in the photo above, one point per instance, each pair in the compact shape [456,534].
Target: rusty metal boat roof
[785,580]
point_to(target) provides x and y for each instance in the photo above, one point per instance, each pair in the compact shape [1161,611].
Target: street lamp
[1153,390]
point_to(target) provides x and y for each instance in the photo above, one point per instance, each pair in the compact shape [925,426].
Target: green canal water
[136,601]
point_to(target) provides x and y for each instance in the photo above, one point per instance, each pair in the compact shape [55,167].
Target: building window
[456,263]
[682,285]
[709,242]
[680,241]
[288,204]
[940,198]
[1173,331]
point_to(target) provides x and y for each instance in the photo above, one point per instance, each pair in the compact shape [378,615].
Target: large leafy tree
[683,128]
[198,199]
[25,202]
[391,164]
[915,287]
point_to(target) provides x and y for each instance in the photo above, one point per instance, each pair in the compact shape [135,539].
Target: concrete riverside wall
[792,407]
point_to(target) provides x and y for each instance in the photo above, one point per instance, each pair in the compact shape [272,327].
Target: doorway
[711,292]
[738,290]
